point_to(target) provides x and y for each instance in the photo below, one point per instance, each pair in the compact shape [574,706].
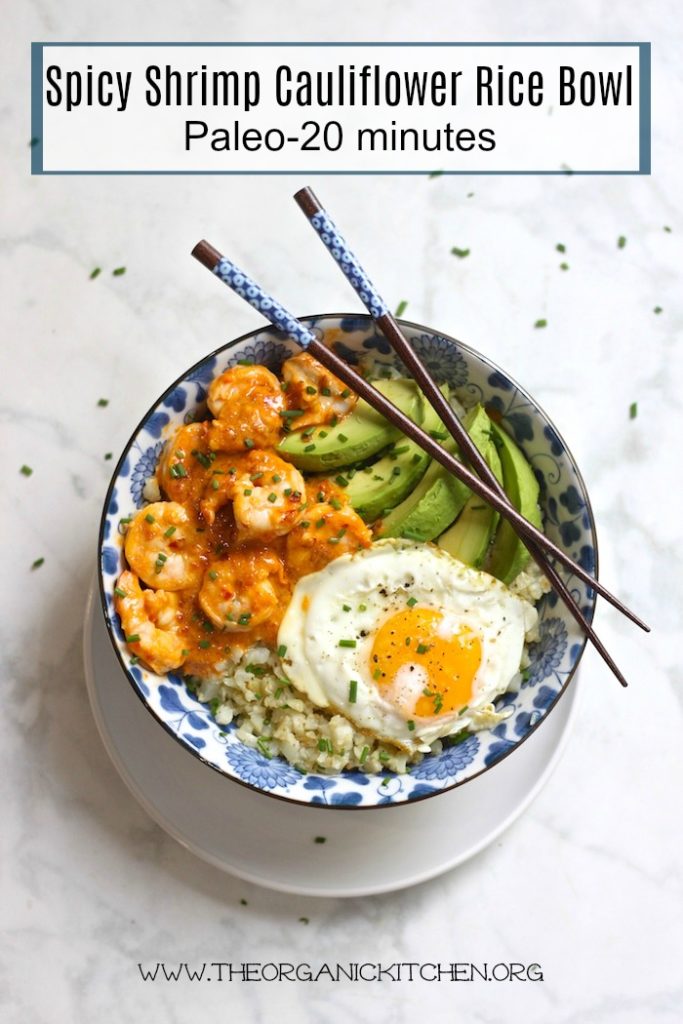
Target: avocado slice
[361,434]
[508,555]
[439,497]
[383,485]
[469,537]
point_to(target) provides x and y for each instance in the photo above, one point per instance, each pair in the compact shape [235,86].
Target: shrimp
[185,463]
[245,589]
[268,497]
[149,620]
[320,394]
[247,402]
[221,485]
[322,534]
[163,548]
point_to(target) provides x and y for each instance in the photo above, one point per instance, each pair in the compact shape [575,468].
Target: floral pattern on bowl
[532,695]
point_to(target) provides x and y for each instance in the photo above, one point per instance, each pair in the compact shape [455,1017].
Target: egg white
[373,584]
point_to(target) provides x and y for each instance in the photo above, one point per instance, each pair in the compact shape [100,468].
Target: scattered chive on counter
[541,323]
[304,920]
[657,310]
[564,266]
[460,253]
[102,402]
[401,308]
[26,470]
[561,247]
[633,410]
[621,241]
[435,174]
[118,271]
[95,272]
[37,564]
[320,839]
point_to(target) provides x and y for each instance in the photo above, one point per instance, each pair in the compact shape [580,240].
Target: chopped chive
[321,496]
[201,458]
[272,497]
[102,402]
[335,503]
[322,745]
[134,659]
[560,247]
[564,266]
[322,433]
[118,271]
[463,710]
[342,437]
[26,471]
[353,691]
[262,744]
[362,607]
[282,650]
[320,839]
[134,638]
[657,309]
[213,575]
[460,253]
[244,619]
[541,323]
[346,607]
[120,592]
[412,601]
[435,174]
[309,448]
[341,481]
[401,308]
[408,641]
[667,229]
[204,644]
[326,392]
[247,491]
[304,524]
[347,643]
[256,670]
[276,478]
[184,653]
[400,451]
[346,392]
[334,421]
[411,725]
[95,272]
[377,673]
[319,523]
[422,648]
[364,755]
[438,435]
[621,241]
[396,471]
[290,414]
[108,456]
[416,458]
[215,484]
[171,530]
[384,757]
[633,410]
[310,390]
[149,518]
[248,442]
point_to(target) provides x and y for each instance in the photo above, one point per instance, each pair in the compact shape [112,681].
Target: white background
[142,137]
[589,881]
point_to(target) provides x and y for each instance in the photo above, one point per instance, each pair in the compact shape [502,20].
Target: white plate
[272,843]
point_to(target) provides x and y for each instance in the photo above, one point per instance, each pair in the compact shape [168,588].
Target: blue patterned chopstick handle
[247,289]
[336,245]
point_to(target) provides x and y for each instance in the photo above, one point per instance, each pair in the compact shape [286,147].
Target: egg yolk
[421,666]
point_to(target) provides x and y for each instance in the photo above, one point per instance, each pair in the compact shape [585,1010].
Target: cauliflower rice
[276,719]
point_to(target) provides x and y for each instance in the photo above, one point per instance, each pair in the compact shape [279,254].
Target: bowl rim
[101,540]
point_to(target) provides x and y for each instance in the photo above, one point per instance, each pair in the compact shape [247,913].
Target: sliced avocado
[508,555]
[383,485]
[357,437]
[439,497]
[469,537]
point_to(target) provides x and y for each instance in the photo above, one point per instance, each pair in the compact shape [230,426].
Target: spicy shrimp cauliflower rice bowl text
[319,581]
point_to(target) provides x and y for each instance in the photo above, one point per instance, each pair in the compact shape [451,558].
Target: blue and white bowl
[554,659]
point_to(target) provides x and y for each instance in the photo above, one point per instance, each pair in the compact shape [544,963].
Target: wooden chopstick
[391,330]
[273,311]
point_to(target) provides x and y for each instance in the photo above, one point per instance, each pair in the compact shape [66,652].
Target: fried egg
[404,640]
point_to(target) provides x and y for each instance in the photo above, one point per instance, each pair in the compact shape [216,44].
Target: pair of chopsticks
[482,482]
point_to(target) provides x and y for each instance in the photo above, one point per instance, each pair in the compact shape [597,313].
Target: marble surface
[588,881]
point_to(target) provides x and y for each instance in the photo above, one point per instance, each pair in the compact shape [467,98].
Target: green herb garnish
[347,643]
[26,471]
[353,691]
[102,402]
[401,308]
[118,271]
[541,323]
[460,253]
